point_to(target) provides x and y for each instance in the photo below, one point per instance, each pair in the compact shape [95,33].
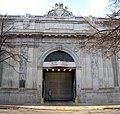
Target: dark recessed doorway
[59,85]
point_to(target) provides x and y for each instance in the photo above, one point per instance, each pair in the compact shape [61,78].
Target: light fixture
[52,69]
[70,69]
[58,69]
[64,70]
[47,70]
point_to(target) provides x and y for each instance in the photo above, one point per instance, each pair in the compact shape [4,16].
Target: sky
[96,8]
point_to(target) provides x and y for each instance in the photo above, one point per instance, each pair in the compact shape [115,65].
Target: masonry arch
[59,76]
[64,49]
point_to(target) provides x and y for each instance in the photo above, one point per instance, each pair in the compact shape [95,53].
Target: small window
[22,84]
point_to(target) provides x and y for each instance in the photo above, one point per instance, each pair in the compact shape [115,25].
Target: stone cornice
[43,35]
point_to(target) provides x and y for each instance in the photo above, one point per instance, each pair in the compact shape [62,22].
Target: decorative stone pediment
[60,11]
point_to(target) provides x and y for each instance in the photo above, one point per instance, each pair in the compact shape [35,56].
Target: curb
[9,107]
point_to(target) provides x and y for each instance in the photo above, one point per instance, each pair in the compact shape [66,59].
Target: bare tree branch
[107,39]
[7,50]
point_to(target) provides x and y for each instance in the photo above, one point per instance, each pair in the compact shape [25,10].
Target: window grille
[59,56]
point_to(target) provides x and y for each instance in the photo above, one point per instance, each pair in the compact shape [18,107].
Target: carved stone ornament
[23,62]
[60,11]
[94,64]
[76,49]
[26,22]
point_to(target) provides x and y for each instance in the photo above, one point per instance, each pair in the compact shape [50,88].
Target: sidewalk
[77,108]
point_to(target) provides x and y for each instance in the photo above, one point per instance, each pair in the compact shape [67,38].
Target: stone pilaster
[94,69]
[78,81]
[39,81]
[115,70]
[1,70]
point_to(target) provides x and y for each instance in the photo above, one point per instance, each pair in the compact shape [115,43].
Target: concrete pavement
[21,109]
[70,108]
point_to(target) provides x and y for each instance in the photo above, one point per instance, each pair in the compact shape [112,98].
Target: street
[46,111]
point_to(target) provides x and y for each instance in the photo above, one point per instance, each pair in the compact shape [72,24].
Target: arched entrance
[59,77]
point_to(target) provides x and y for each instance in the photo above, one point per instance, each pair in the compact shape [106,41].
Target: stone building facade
[57,67]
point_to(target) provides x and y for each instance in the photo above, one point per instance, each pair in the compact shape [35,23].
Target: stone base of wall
[105,96]
[32,96]
[19,96]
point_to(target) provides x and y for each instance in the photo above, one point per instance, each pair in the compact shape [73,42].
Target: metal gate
[58,85]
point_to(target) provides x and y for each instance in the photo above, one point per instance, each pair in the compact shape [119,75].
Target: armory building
[57,67]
